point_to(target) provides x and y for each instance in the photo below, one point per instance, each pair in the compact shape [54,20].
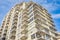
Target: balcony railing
[23,36]
[43,31]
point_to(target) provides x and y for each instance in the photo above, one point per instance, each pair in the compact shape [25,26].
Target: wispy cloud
[56,16]
[50,5]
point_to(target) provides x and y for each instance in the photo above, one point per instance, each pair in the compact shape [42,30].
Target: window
[46,30]
[31,14]
[47,37]
[31,19]
[31,6]
[38,35]
[33,36]
[3,38]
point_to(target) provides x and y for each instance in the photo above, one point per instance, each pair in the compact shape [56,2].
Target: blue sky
[53,7]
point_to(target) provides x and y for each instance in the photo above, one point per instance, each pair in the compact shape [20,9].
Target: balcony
[25,11]
[47,37]
[3,38]
[7,23]
[4,35]
[14,26]
[15,23]
[43,30]
[16,15]
[25,15]
[40,35]
[24,25]
[0,32]
[8,20]
[3,23]
[37,15]
[15,19]
[12,37]
[5,31]
[6,28]
[38,21]
[25,21]
[12,34]
[52,28]
[13,30]
[24,31]
[23,37]
[25,18]
[54,38]
[53,34]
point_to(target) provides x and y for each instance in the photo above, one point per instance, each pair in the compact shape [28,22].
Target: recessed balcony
[24,25]
[43,30]
[25,11]
[15,19]
[54,38]
[4,34]
[14,26]
[12,37]
[52,28]
[13,34]
[38,21]
[15,23]
[25,15]
[40,35]
[37,16]
[3,38]
[5,31]
[24,31]
[24,19]
[16,15]
[0,32]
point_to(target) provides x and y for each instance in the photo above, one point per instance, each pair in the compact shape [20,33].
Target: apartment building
[28,21]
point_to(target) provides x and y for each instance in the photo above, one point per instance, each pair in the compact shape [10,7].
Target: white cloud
[50,5]
[56,16]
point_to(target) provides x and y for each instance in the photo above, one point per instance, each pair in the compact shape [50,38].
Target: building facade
[28,21]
